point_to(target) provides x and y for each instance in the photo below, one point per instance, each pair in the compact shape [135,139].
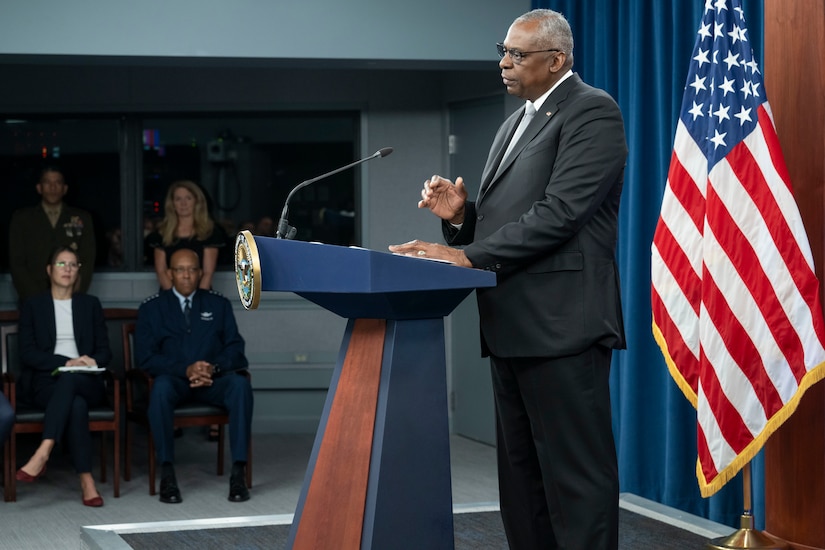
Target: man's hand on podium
[431,251]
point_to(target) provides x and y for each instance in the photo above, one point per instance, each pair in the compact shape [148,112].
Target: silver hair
[553,30]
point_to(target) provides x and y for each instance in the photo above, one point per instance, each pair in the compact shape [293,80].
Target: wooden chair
[138,389]
[7,317]
[115,318]
[102,419]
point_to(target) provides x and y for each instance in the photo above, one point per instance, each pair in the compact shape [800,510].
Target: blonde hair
[203,224]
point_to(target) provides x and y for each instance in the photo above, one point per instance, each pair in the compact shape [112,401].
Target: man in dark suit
[187,339]
[35,231]
[545,221]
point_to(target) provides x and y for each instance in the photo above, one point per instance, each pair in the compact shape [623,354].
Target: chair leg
[7,473]
[220,448]
[116,465]
[127,474]
[151,446]
[103,457]
[11,489]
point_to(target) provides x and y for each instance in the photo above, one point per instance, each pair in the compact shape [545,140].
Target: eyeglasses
[182,270]
[70,265]
[517,55]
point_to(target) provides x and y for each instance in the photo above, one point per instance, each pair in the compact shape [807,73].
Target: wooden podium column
[793,70]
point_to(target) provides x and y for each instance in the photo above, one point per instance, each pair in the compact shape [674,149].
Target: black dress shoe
[169,492]
[237,485]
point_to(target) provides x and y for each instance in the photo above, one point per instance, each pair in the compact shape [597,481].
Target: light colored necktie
[529,112]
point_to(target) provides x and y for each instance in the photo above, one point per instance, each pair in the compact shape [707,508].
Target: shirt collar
[182,298]
[52,209]
[540,100]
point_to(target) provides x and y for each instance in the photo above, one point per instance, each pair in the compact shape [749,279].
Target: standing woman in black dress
[63,327]
[186,224]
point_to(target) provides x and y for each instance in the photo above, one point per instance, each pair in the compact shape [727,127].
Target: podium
[379,473]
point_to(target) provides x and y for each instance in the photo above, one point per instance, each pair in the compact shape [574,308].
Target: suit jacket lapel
[501,164]
[494,170]
[491,170]
[538,122]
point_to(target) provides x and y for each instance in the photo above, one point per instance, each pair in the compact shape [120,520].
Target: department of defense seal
[247,270]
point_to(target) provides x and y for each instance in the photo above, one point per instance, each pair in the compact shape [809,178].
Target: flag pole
[746,536]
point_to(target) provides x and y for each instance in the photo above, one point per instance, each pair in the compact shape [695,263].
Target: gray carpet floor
[48,514]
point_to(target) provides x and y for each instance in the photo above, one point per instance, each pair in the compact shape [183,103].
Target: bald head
[183,252]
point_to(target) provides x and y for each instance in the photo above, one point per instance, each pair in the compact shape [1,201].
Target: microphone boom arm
[284,230]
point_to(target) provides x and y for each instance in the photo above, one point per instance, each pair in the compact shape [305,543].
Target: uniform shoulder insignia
[150,298]
[215,292]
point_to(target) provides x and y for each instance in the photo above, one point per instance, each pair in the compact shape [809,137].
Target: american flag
[734,294]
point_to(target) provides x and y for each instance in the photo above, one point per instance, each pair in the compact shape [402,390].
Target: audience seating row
[121,325]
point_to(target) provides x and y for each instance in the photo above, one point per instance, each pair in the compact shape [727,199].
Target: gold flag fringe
[706,488]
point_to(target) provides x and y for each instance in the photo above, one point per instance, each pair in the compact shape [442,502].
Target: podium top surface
[297,266]
[341,278]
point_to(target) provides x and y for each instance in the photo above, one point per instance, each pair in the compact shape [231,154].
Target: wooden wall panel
[793,71]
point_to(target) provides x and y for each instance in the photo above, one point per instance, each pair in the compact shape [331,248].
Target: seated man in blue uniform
[187,339]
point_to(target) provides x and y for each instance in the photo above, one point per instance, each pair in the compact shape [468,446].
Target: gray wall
[297,56]
[464,30]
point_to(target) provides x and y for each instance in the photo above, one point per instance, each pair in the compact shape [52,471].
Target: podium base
[379,473]
[747,537]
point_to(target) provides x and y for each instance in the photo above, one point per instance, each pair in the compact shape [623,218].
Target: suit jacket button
[480,217]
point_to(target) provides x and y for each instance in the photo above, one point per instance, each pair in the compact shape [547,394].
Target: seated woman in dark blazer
[63,328]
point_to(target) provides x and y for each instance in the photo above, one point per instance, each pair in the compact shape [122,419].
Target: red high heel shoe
[94,502]
[28,478]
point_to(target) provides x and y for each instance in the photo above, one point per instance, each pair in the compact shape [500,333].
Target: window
[86,151]
[245,163]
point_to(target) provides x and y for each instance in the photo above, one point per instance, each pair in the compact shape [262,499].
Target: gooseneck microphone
[286,231]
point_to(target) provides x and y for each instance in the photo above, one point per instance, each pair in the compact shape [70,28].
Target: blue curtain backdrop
[639,51]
